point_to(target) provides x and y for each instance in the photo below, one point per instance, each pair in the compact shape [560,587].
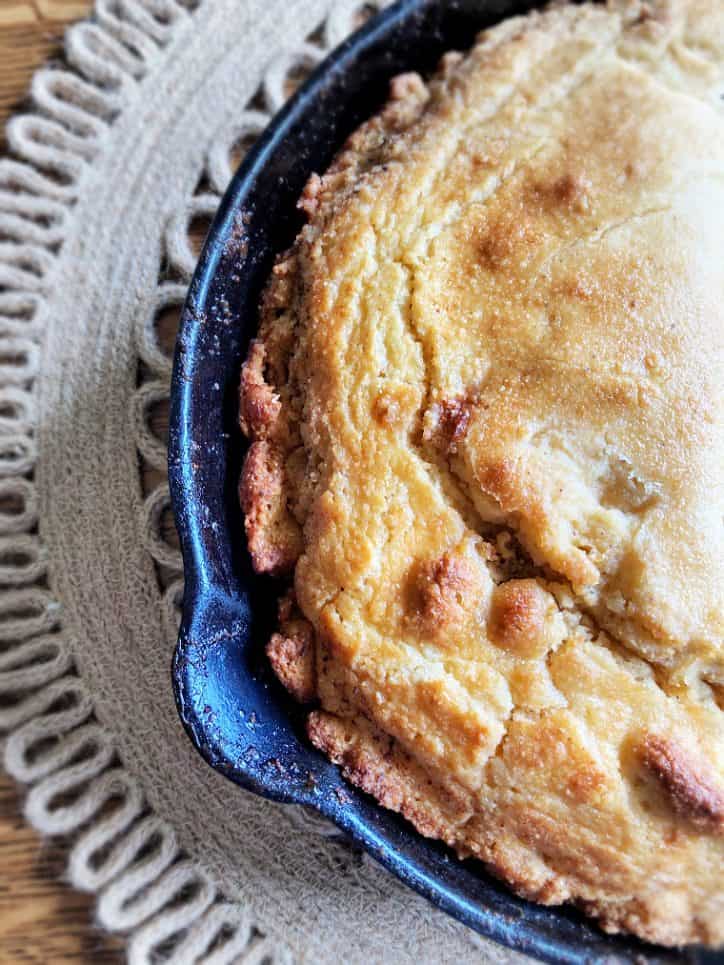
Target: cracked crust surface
[487,429]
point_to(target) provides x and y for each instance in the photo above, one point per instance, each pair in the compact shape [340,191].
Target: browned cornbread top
[488,441]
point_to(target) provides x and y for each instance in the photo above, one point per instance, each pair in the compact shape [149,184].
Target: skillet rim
[213,613]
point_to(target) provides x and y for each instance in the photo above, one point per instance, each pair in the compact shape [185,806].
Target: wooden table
[42,920]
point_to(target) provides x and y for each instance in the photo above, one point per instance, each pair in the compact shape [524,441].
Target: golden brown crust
[291,652]
[524,618]
[489,387]
[691,787]
[451,588]
[292,659]
[272,535]
[371,760]
[448,422]
[259,405]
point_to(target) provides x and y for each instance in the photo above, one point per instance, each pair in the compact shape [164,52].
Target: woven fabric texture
[128,145]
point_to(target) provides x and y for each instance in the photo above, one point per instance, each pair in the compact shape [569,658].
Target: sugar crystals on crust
[486,417]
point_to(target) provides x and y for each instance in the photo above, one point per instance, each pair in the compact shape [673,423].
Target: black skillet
[235,712]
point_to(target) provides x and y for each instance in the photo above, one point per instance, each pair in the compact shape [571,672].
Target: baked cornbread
[485,406]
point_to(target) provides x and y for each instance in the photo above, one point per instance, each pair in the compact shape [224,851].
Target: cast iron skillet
[234,710]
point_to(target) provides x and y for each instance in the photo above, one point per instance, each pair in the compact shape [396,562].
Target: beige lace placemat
[128,144]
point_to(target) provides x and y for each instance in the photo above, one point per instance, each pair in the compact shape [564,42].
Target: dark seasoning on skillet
[487,442]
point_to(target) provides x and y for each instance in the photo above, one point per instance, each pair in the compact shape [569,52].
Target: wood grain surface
[31,31]
[42,920]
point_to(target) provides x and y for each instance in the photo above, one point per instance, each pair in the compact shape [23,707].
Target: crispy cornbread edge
[369,758]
